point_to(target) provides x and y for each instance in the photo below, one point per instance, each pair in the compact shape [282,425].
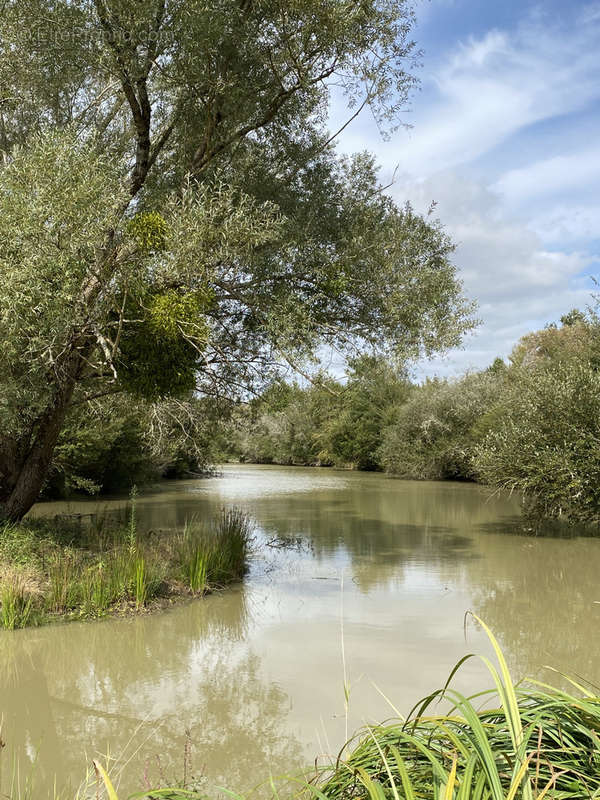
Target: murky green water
[256,674]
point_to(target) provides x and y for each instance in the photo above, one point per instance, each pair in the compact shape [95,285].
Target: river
[370,590]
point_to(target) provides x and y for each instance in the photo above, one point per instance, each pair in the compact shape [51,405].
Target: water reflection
[77,691]
[541,597]
[256,673]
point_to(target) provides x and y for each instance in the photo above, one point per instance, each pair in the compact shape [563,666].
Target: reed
[116,573]
[196,568]
[87,573]
[62,582]
[535,742]
[192,551]
[140,582]
[147,578]
[94,590]
[233,534]
[214,554]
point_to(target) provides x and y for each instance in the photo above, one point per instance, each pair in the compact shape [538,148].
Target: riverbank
[63,569]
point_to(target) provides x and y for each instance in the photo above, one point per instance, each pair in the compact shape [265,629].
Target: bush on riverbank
[121,442]
[326,423]
[545,443]
[435,432]
[51,569]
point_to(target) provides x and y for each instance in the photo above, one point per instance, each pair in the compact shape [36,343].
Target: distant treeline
[530,426]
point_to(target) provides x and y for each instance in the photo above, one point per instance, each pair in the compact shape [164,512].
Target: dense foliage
[123,443]
[543,437]
[325,423]
[436,430]
[530,426]
[375,419]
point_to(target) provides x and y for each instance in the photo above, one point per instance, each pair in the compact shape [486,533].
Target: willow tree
[173,216]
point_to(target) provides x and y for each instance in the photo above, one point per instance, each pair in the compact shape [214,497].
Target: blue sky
[505,138]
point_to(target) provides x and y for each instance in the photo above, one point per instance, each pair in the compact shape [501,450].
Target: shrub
[435,434]
[545,443]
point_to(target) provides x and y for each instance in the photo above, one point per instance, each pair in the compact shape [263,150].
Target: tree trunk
[29,472]
[32,475]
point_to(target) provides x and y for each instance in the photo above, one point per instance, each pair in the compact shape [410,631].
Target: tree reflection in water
[135,686]
[540,596]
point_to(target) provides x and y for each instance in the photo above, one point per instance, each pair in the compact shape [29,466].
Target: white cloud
[493,87]
[563,223]
[488,89]
[570,172]
[522,244]
[518,283]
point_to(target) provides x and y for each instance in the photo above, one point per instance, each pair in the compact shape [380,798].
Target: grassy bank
[61,569]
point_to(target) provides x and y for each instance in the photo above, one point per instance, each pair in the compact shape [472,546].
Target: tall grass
[93,592]
[16,603]
[80,574]
[147,577]
[213,554]
[233,540]
[62,582]
[534,742]
[194,556]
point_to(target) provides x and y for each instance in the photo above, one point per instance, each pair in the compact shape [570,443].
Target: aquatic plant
[537,742]
[94,590]
[147,577]
[212,555]
[140,582]
[192,551]
[233,539]
[195,567]
[62,582]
